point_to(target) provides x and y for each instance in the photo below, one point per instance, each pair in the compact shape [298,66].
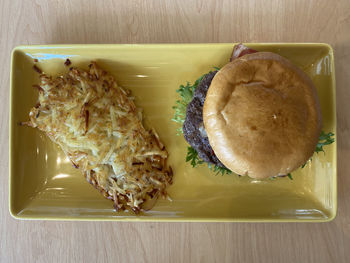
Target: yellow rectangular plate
[44,185]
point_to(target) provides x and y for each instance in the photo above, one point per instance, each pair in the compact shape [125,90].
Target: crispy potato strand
[99,128]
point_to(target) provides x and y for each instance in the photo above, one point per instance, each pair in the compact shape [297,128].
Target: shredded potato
[98,126]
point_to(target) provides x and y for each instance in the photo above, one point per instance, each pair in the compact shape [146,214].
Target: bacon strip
[241,50]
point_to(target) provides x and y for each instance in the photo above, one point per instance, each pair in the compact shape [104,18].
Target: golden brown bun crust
[262,116]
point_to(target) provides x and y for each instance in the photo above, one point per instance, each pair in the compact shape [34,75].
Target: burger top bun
[262,116]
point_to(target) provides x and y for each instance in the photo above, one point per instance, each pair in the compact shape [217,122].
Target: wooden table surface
[180,21]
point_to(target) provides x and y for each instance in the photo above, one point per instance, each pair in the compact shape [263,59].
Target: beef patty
[193,127]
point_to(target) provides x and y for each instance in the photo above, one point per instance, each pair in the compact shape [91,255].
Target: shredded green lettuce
[186,93]
[325,139]
[193,158]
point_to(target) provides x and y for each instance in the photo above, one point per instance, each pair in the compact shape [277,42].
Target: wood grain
[78,21]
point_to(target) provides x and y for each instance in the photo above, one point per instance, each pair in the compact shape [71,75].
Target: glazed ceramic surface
[44,185]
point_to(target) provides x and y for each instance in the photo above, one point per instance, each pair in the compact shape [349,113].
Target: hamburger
[259,115]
